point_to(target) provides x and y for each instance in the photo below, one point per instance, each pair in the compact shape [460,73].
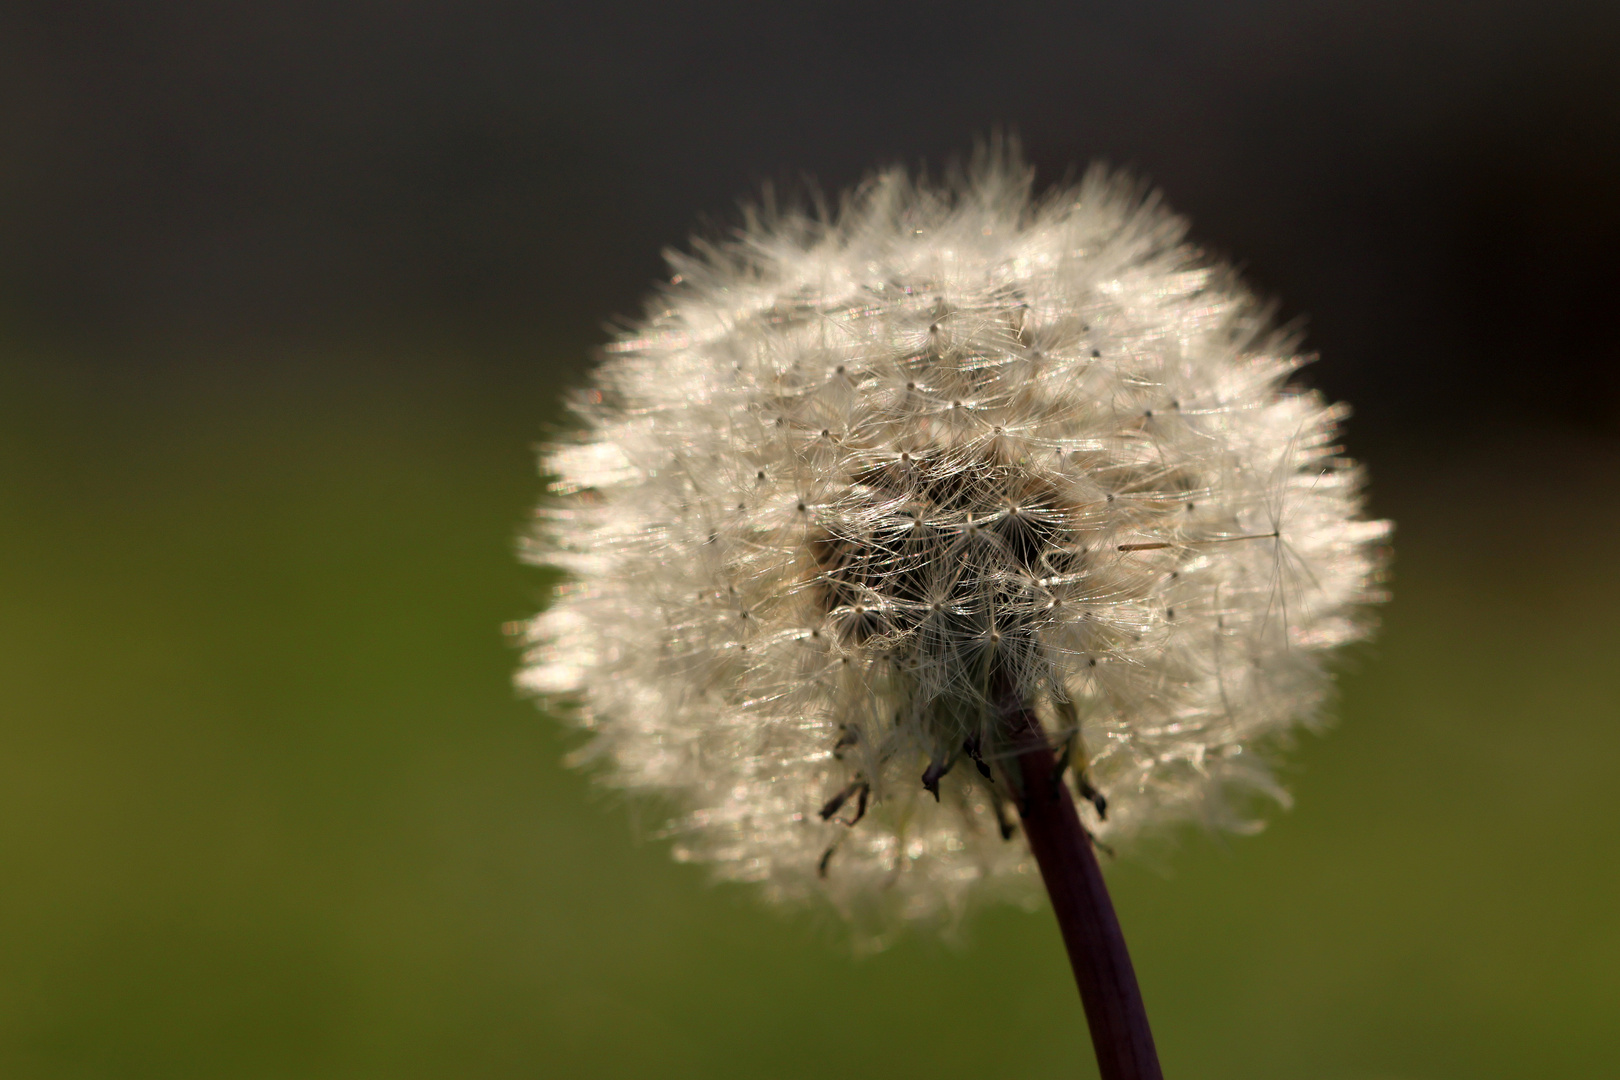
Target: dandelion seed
[997,550]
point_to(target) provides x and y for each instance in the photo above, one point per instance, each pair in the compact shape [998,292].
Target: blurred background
[288,290]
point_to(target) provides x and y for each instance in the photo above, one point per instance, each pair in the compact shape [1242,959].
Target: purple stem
[1085,915]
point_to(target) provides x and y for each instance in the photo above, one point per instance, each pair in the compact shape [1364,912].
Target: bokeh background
[289,289]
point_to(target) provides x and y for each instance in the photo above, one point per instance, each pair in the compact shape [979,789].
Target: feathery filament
[852,481]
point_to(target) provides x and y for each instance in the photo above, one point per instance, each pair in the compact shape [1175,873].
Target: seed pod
[850,480]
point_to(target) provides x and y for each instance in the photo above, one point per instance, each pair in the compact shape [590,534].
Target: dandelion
[908,546]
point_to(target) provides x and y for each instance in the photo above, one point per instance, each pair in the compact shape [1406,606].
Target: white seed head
[852,480]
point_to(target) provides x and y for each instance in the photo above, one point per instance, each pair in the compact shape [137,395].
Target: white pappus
[855,475]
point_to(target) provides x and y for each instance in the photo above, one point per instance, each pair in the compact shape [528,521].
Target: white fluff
[847,477]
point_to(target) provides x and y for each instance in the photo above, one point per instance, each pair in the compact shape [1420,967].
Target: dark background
[1433,183]
[287,292]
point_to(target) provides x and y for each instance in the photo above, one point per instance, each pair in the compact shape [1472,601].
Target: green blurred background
[289,293]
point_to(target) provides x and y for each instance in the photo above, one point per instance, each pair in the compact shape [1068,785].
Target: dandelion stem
[1085,915]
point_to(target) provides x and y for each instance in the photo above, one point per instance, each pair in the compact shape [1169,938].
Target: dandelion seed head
[852,478]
